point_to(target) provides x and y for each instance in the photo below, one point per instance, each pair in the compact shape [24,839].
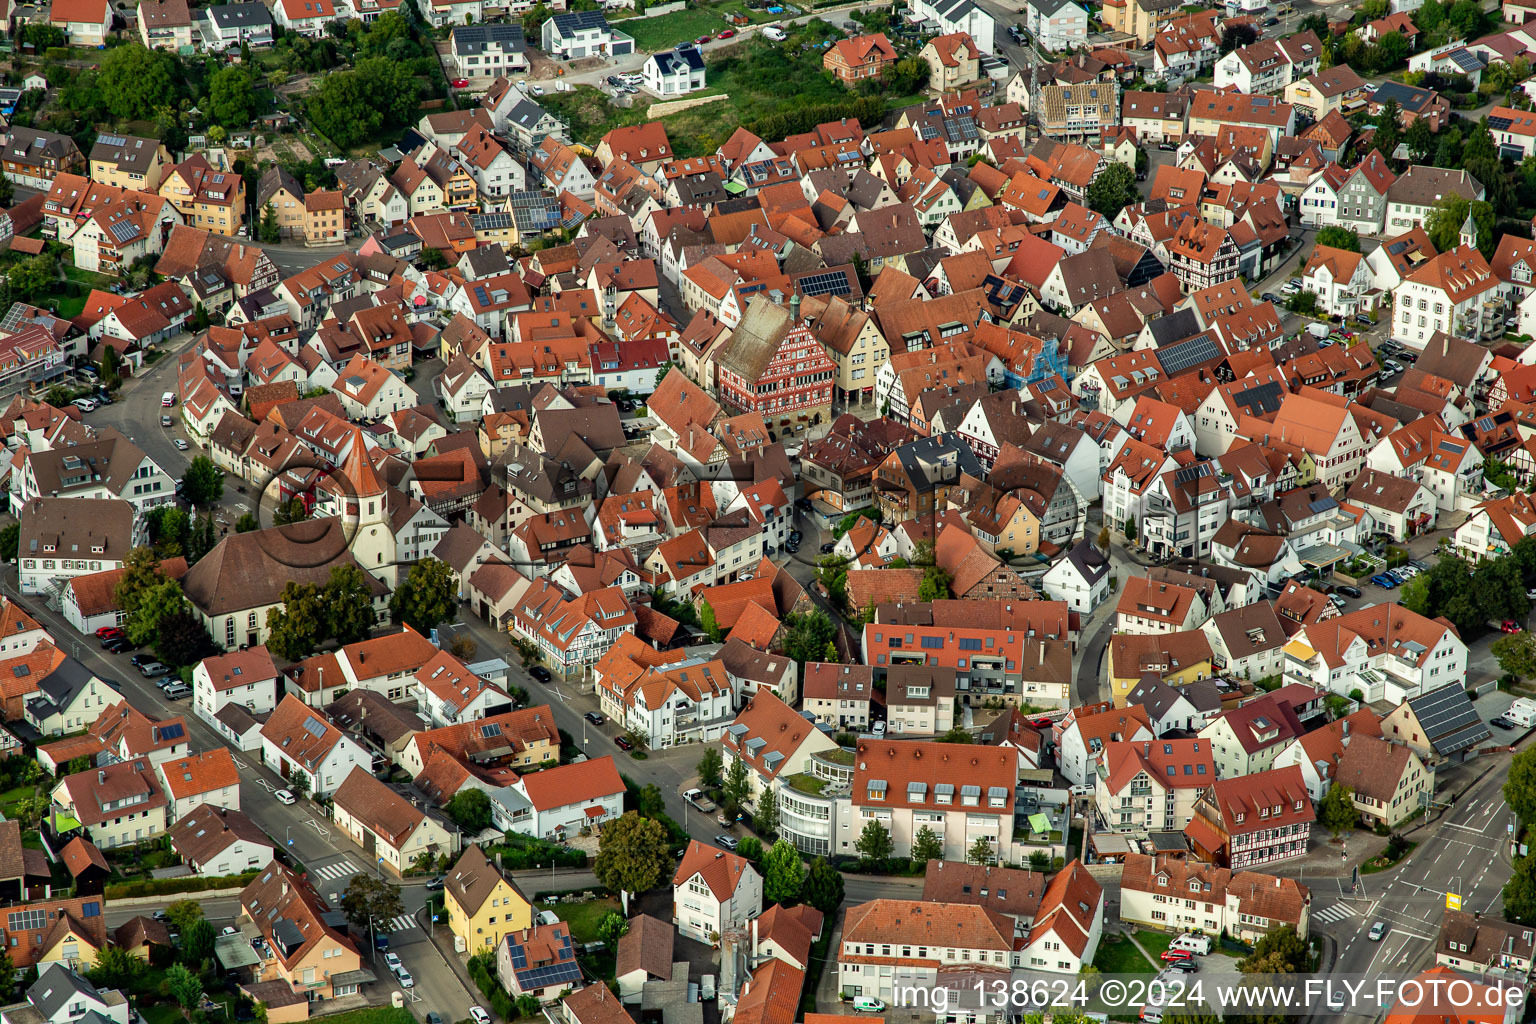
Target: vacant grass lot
[667,30]
[1118,955]
[584,917]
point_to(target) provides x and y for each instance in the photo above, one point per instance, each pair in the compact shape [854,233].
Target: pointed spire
[359,471]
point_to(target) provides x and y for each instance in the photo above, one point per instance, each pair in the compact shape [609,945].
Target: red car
[1042,723]
[1170,955]
[461,83]
[727,34]
[106,631]
[703,40]
[623,743]
[1510,626]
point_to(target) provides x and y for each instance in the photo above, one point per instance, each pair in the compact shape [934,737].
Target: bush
[536,853]
[168,886]
[1396,557]
[480,973]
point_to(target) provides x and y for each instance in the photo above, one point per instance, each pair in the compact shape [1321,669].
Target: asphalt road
[1463,854]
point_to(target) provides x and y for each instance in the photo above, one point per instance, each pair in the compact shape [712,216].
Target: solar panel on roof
[1181,356]
[111,140]
[824,284]
[314,727]
[122,230]
[1499,124]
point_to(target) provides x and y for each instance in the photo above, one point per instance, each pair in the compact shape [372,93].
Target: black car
[140,660]
[117,645]
[791,549]
[594,718]
[1269,22]
[795,536]
[1347,590]
[540,673]
[1271,297]
[1502,723]
[804,503]
[826,548]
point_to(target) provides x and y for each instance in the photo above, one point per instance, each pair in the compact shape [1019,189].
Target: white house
[217,841]
[558,803]
[571,35]
[1081,578]
[947,17]
[1447,294]
[298,743]
[714,891]
[1386,651]
[1339,278]
[1084,732]
[489,51]
[304,17]
[1066,930]
[247,678]
[62,538]
[674,72]
[1056,24]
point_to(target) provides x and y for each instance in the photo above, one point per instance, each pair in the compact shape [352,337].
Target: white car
[284,796]
[405,979]
[180,443]
[392,961]
[478,1015]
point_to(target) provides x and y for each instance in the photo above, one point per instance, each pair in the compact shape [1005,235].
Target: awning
[234,951]
[359,977]
[595,812]
[1039,823]
[1300,651]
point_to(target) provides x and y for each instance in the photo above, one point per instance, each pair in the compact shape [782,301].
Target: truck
[699,800]
[1319,330]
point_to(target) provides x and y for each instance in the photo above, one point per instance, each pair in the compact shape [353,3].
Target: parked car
[540,673]
[1501,723]
[392,961]
[622,742]
[1172,955]
[478,1015]
[178,690]
[117,645]
[1338,602]
[826,548]
[168,399]
[703,39]
[140,660]
[461,83]
[1347,590]
[726,842]
[1384,581]
[284,796]
[1270,297]
[153,670]
[180,443]
[166,421]
[594,718]
[1510,626]
[434,884]
[727,34]
[106,633]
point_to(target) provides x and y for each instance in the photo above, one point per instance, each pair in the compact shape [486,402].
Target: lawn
[1117,955]
[1155,943]
[667,30]
[374,1015]
[584,917]
[755,77]
[12,797]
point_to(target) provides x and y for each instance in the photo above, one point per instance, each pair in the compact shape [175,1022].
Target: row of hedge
[170,886]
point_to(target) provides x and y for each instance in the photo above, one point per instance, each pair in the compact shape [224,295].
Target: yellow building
[1175,658]
[483,906]
[852,341]
[1140,18]
[127,161]
[207,198]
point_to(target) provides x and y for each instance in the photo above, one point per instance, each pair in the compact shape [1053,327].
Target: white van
[868,1004]
[775,33]
[1197,944]
[1522,712]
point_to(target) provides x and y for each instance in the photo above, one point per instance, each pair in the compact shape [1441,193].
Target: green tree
[710,768]
[1337,810]
[151,608]
[1129,529]
[1337,237]
[1237,35]
[784,873]
[707,621]
[197,943]
[470,809]
[766,818]
[426,597]
[807,634]
[750,849]
[32,278]
[981,851]
[231,96]
[1039,860]
[115,967]
[10,541]
[874,843]
[136,80]
[1520,892]
[1420,139]
[1517,653]
[297,781]
[183,639]
[203,482]
[926,846]
[291,511]
[632,856]
[1388,133]
[246,523]
[612,928]
[832,573]
[823,888]
[935,585]
[368,897]
[180,915]
[342,110]
[347,600]
[108,368]
[184,986]
[1112,190]
[269,230]
[297,625]
[1520,787]
[738,784]
[1278,951]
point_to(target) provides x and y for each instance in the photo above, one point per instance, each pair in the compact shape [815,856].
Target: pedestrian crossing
[331,872]
[1337,912]
[401,923]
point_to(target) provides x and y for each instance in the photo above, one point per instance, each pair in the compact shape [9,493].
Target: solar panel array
[314,727]
[123,230]
[1182,355]
[824,284]
[563,970]
[1448,719]
[111,140]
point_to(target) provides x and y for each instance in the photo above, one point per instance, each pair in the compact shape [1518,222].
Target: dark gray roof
[574,21]
[684,58]
[1175,326]
[472,39]
[129,152]
[1449,721]
[1089,561]
[921,459]
[56,987]
[1408,97]
[1154,695]
[60,688]
[240,15]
